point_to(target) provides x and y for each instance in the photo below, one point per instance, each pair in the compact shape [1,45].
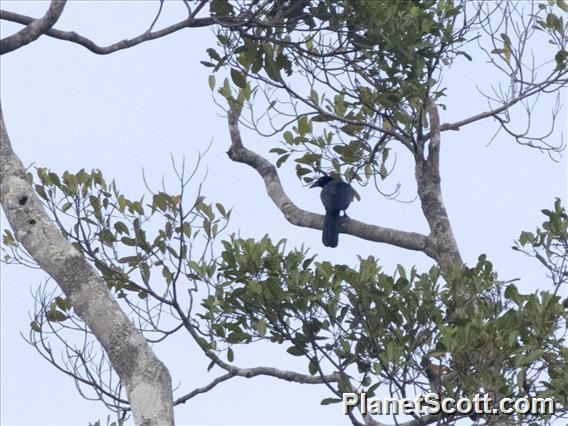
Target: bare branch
[34,28]
[157,16]
[73,37]
[204,389]
[494,112]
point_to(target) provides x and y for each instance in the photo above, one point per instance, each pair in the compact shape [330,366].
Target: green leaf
[145,273]
[281,160]
[128,241]
[254,286]
[221,209]
[524,360]
[271,67]
[329,401]
[35,326]
[212,82]
[304,125]
[512,293]
[314,97]
[62,303]
[238,78]
[321,118]
[313,367]
[278,151]
[121,228]
[106,237]
[225,91]
[237,337]
[401,271]
[54,179]
[261,327]
[8,238]
[308,158]
[294,350]
[213,54]
[552,21]
[220,7]
[40,191]
[71,181]
[288,137]
[55,316]
[526,237]
[302,171]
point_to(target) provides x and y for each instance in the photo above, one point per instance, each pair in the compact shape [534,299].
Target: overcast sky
[66,108]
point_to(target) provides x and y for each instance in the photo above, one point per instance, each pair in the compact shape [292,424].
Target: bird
[336,196]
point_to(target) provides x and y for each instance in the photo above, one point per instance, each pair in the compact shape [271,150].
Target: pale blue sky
[66,108]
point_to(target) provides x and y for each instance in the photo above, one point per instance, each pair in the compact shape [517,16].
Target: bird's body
[335,196]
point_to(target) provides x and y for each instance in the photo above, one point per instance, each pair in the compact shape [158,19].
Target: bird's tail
[330,234]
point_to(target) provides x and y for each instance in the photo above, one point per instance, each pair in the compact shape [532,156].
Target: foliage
[150,254]
[108,422]
[549,245]
[378,330]
[377,61]
[110,228]
[344,82]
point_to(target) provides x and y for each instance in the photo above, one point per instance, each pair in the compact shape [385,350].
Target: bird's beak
[315,184]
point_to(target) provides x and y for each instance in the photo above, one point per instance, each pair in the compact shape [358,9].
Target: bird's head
[321,182]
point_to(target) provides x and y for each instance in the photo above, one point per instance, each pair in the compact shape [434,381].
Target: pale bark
[146,380]
[428,182]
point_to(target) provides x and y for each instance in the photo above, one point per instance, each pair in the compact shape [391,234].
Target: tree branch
[290,376]
[494,112]
[34,28]
[428,182]
[142,373]
[73,37]
[296,216]
[204,389]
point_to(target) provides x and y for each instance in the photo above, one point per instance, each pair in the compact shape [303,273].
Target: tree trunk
[146,379]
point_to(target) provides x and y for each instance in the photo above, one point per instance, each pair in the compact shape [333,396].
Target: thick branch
[73,37]
[239,153]
[146,379]
[430,192]
[34,28]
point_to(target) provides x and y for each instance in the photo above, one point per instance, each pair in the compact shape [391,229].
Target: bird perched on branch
[336,196]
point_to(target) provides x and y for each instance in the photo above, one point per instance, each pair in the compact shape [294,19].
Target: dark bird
[336,196]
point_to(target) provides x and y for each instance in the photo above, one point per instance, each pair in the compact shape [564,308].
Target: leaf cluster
[381,332]
[379,329]
[354,71]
